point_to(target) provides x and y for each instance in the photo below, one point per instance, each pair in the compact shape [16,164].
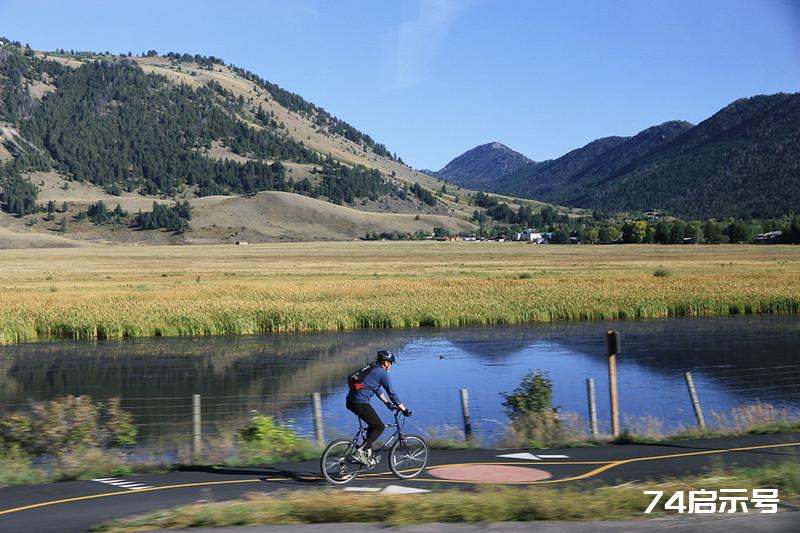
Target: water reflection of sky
[734,361]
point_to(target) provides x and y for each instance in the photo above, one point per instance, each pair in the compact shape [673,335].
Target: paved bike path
[74,506]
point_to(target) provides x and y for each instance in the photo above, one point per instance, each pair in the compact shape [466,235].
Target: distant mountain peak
[480,166]
[740,162]
[497,146]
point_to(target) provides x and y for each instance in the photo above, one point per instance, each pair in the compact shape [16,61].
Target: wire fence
[192,422]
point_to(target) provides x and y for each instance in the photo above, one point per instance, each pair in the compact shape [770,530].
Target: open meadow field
[115,292]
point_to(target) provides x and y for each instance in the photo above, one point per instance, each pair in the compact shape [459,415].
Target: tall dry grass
[118,293]
[246,308]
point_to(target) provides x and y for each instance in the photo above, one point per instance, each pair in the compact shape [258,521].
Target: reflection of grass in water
[755,418]
[571,430]
[483,505]
[451,437]
[278,372]
[237,291]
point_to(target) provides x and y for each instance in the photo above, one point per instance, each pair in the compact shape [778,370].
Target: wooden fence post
[592,407]
[197,437]
[319,431]
[465,414]
[613,349]
[698,411]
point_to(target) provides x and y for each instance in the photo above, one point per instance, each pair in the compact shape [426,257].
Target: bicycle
[408,455]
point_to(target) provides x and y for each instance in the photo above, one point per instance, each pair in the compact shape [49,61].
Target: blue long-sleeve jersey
[377,378]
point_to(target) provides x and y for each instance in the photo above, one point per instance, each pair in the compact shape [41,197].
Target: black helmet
[385,355]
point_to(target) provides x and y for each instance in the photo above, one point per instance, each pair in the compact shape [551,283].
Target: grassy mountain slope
[274,216]
[79,128]
[263,217]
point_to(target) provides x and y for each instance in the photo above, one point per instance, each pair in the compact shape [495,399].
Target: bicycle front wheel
[408,456]
[337,464]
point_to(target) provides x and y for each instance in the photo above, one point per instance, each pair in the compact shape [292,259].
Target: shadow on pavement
[267,473]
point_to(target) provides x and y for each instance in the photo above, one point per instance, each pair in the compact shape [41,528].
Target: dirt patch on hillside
[275,216]
[66,61]
[38,89]
[10,137]
[5,155]
[53,186]
[221,152]
[14,238]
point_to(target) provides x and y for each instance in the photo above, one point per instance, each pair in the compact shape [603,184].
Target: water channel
[735,361]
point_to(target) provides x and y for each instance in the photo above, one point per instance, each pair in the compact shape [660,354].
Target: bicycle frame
[361,434]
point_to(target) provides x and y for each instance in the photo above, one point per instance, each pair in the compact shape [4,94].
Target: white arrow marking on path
[531,457]
[396,489]
[528,456]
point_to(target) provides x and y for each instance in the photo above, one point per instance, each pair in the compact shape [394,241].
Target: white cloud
[417,42]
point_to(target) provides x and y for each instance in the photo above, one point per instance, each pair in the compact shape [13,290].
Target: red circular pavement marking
[489,473]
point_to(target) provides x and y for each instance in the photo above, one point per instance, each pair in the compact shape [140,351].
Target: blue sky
[433,78]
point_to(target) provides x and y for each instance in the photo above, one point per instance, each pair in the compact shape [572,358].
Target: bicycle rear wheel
[337,464]
[408,456]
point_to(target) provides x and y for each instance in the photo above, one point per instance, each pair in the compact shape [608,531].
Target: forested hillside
[109,123]
[744,161]
[582,169]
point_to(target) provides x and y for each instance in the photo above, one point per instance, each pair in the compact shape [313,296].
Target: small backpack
[354,380]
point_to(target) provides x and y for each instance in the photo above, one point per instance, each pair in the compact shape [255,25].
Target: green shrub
[534,421]
[264,440]
[662,272]
[88,463]
[67,423]
[64,423]
[17,430]
[119,428]
[533,396]
[16,467]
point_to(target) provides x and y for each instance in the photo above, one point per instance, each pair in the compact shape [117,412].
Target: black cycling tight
[365,412]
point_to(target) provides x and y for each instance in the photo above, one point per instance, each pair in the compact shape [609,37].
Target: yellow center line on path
[606,466]
[120,493]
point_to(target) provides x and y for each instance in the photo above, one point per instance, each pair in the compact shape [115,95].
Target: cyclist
[368,382]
